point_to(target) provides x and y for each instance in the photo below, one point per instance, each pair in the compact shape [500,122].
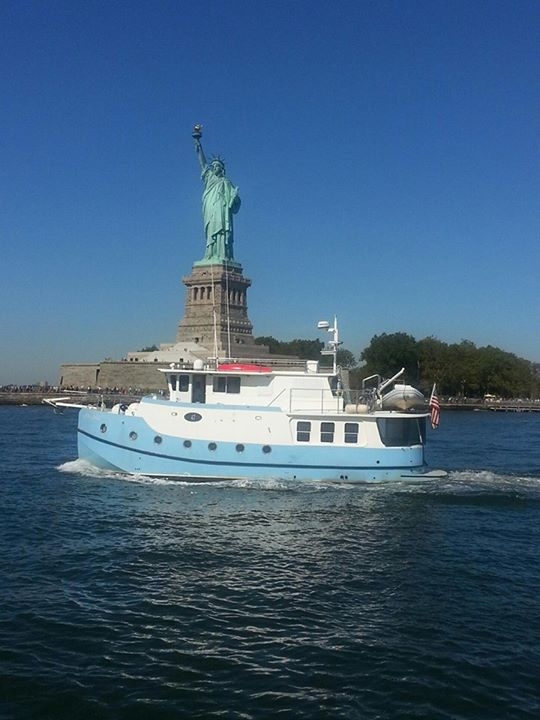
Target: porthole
[266,449]
[158,439]
[240,448]
[187,443]
[193,417]
[103,428]
[212,446]
[133,435]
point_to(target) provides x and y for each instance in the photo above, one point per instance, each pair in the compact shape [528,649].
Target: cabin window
[351,433]
[303,431]
[327,432]
[402,432]
[226,384]
[179,382]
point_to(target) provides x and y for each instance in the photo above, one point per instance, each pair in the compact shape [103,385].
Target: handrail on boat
[274,399]
[324,400]
[316,400]
[388,382]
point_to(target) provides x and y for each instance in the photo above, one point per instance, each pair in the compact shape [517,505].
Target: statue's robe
[219,202]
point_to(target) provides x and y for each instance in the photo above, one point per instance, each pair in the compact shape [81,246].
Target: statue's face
[218,168]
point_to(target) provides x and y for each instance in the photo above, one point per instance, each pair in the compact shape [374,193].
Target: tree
[432,360]
[345,359]
[386,354]
[460,369]
[306,350]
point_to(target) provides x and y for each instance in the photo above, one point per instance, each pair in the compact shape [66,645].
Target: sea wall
[37,398]
[109,374]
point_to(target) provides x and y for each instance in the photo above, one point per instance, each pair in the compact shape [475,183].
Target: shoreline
[23,398]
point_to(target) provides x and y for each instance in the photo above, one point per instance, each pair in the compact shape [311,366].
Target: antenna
[334,343]
[214,313]
[228,308]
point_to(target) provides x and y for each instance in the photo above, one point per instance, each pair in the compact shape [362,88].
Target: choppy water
[136,598]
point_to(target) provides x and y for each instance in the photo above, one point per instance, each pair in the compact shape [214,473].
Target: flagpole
[434,408]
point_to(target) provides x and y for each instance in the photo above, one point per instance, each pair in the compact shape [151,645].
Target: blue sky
[386,154]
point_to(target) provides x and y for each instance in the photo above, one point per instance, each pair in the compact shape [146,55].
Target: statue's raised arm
[219,202]
[197,134]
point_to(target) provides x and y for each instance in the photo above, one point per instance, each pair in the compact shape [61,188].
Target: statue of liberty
[220,201]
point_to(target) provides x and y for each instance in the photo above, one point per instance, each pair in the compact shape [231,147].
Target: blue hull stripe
[244,464]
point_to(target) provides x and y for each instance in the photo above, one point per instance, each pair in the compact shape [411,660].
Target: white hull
[246,420]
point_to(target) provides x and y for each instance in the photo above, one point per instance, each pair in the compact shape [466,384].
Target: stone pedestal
[216,311]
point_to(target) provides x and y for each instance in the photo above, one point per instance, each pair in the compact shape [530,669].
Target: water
[137,598]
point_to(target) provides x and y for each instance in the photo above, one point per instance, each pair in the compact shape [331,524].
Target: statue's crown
[218,159]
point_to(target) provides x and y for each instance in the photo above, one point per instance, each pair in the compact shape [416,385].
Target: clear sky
[387,155]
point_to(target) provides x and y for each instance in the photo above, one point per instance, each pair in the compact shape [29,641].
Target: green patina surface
[220,201]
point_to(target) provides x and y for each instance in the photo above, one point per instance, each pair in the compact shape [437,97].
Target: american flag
[435,408]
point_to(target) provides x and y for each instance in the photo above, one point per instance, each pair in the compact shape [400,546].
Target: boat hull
[129,445]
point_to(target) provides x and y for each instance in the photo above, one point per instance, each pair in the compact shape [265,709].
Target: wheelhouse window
[402,432]
[351,433]
[226,384]
[327,432]
[303,431]
[179,382]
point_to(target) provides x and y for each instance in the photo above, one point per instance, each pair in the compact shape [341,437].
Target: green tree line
[459,369]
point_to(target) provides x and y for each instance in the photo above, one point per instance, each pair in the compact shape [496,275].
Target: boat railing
[314,401]
[367,396]
[330,401]
[371,383]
